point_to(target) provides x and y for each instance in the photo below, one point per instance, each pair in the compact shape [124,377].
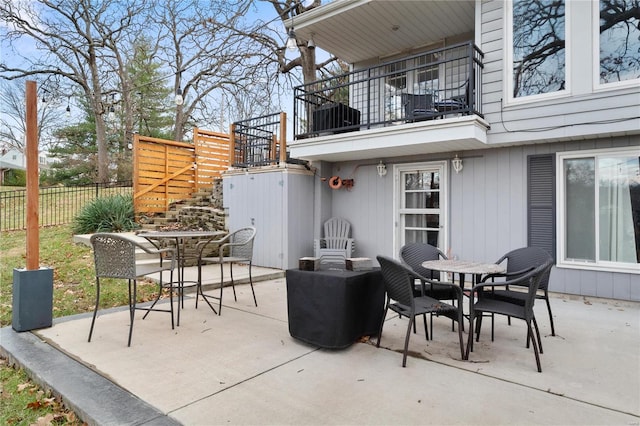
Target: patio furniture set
[333,307]
[115,257]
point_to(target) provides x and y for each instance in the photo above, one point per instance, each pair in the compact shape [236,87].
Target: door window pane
[538,47]
[619,30]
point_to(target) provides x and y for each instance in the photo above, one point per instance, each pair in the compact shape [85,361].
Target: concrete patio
[244,368]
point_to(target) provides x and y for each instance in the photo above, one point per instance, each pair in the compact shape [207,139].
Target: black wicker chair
[414,255]
[115,257]
[520,261]
[236,247]
[480,302]
[399,283]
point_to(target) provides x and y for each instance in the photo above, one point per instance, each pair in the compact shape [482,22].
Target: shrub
[16,177]
[107,214]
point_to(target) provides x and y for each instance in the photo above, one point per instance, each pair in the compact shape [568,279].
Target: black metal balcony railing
[430,85]
[258,141]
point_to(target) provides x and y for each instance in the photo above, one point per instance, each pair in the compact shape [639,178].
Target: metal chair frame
[115,257]
[239,246]
[399,283]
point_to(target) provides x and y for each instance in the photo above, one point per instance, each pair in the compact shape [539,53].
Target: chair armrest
[425,280]
[201,245]
[522,280]
[508,274]
[172,254]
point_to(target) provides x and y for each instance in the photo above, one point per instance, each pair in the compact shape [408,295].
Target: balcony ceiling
[358,30]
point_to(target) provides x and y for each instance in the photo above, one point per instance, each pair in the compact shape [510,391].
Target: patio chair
[337,244]
[418,107]
[236,247]
[413,255]
[518,262]
[488,305]
[399,285]
[115,257]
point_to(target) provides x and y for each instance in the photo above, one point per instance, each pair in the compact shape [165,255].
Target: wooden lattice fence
[167,171]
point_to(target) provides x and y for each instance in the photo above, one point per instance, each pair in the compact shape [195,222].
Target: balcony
[436,90]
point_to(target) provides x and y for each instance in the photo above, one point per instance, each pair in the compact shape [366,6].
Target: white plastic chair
[337,244]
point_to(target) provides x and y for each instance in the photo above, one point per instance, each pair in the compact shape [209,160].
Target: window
[619,40]
[537,53]
[426,75]
[599,209]
[395,85]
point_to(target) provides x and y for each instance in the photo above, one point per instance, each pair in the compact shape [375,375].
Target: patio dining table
[463,267]
[180,238]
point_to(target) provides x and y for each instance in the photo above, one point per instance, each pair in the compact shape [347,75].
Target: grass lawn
[21,401]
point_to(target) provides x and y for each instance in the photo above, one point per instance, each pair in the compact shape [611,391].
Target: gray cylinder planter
[32,299]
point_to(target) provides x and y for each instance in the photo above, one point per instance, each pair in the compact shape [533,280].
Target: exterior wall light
[457,164]
[382,169]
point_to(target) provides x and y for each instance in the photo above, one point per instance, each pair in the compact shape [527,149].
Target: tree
[80,41]
[75,152]
[13,115]
[203,44]
[619,40]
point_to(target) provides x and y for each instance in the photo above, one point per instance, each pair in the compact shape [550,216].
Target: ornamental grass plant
[107,214]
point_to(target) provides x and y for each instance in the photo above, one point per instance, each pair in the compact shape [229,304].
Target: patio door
[421,204]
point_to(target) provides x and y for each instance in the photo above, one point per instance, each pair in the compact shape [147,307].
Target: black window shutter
[541,202]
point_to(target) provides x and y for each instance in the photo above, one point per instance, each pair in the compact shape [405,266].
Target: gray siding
[487,212]
[279,203]
[572,116]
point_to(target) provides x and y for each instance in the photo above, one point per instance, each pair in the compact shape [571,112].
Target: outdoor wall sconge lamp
[382,169]
[311,44]
[457,164]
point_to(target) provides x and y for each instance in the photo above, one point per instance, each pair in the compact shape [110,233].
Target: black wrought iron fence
[58,205]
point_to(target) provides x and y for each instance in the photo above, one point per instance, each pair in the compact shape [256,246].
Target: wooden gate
[168,171]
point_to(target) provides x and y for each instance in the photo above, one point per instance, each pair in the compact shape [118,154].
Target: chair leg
[132,308]
[233,284]
[460,319]
[255,301]
[221,287]
[406,340]
[384,317]
[95,309]
[535,325]
[535,347]
[546,298]
[199,283]
[156,301]
[426,330]
[478,327]
[470,338]
[171,298]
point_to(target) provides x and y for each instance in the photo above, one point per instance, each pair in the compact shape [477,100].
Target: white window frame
[444,199]
[597,86]
[508,97]
[598,265]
